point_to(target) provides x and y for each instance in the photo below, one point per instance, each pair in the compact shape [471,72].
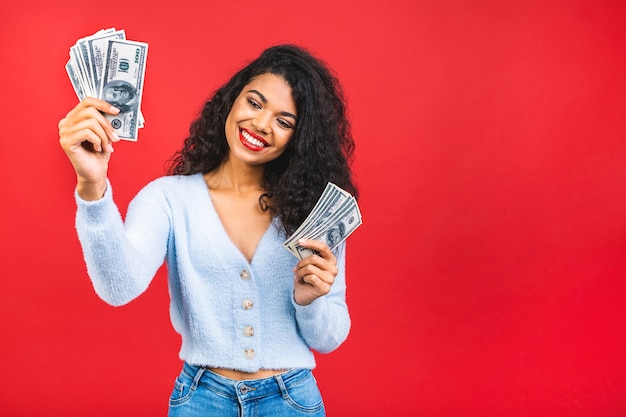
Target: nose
[262,122]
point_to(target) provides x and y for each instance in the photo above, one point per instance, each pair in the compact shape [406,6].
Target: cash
[333,218]
[107,66]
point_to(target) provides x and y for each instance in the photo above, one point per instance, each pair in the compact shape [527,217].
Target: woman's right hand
[86,136]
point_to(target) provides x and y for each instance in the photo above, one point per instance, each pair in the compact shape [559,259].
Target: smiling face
[261,121]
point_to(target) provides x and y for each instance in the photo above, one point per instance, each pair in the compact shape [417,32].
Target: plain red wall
[488,277]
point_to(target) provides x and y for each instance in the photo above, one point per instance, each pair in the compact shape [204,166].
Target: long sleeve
[325,323]
[122,258]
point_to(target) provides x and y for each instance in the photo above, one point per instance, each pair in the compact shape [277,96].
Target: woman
[255,162]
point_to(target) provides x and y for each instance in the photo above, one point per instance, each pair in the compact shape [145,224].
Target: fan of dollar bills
[107,66]
[333,218]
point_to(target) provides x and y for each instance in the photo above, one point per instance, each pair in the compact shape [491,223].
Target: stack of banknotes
[107,66]
[333,218]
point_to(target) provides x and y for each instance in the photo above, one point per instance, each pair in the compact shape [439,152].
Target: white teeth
[252,140]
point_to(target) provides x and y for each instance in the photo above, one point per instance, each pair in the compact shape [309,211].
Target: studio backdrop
[488,278]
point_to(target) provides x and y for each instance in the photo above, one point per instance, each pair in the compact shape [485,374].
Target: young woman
[256,160]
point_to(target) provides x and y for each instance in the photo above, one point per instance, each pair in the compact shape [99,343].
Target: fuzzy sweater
[230,313]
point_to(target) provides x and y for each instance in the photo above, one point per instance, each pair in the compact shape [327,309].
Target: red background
[488,277]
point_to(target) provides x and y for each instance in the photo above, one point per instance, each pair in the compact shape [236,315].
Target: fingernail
[114,110]
[110,148]
[302,241]
[115,137]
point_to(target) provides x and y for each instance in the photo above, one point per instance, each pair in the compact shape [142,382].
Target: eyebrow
[264,100]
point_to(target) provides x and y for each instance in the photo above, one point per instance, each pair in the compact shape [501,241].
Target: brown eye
[284,124]
[254,104]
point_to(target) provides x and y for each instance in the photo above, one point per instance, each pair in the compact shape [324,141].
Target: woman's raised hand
[86,136]
[315,274]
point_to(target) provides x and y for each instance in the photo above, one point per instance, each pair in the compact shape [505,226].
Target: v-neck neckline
[222,228]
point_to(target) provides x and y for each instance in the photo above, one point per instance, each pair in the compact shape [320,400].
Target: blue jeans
[200,392]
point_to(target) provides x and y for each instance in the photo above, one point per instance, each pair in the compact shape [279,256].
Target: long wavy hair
[320,150]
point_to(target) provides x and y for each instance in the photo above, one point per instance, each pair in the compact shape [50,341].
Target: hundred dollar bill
[87,64]
[322,227]
[334,231]
[80,49]
[80,71]
[96,46]
[78,88]
[122,84]
[331,199]
[315,213]
[77,66]
[333,218]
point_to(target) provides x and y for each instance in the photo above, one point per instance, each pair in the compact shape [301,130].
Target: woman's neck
[236,177]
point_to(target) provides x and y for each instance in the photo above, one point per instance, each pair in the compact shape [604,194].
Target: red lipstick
[251,140]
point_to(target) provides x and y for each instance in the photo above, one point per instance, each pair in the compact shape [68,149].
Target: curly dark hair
[320,150]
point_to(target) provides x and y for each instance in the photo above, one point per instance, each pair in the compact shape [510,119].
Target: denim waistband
[245,389]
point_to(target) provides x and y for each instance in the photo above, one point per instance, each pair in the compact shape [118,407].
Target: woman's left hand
[315,274]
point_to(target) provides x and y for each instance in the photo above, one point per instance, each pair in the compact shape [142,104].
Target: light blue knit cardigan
[218,298]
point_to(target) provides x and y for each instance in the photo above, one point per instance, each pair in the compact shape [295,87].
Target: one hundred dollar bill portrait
[120,94]
[335,234]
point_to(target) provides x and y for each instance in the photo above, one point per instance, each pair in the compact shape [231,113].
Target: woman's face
[261,121]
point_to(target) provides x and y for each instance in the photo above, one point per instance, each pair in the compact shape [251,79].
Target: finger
[89,118]
[95,123]
[325,261]
[92,108]
[100,105]
[325,275]
[106,125]
[318,246]
[76,140]
[317,265]
[90,102]
[321,286]
[87,130]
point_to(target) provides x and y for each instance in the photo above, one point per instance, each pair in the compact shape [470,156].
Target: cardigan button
[244,274]
[248,331]
[249,353]
[247,304]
